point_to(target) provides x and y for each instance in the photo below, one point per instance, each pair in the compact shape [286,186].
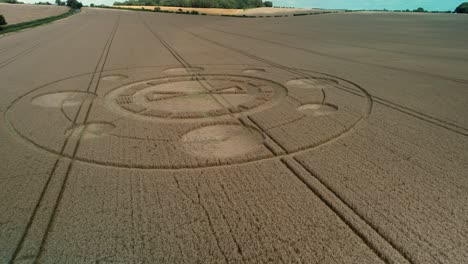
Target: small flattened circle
[114,77]
[90,130]
[60,99]
[253,70]
[317,83]
[317,109]
[182,70]
[221,141]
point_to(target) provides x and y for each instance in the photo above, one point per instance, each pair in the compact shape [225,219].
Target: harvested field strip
[34,23]
[42,209]
[447,125]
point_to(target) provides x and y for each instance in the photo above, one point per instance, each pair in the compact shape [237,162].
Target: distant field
[220,11]
[210,11]
[21,13]
[266,11]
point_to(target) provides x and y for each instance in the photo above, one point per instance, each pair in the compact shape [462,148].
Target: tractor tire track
[403,109]
[371,245]
[17,254]
[463,81]
[37,44]
[98,72]
[362,47]
[381,245]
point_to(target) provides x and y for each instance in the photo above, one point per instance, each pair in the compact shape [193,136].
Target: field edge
[35,23]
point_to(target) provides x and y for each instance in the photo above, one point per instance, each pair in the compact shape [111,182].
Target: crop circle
[179,118]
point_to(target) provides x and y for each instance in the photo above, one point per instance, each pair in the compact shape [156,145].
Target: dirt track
[140,137]
[15,13]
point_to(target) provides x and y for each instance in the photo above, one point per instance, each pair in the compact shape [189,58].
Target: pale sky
[440,5]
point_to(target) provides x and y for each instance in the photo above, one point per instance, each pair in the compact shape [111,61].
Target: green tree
[419,10]
[2,21]
[268,3]
[463,8]
[74,4]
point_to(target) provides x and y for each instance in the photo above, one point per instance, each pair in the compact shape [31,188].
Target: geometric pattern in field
[179,119]
[202,96]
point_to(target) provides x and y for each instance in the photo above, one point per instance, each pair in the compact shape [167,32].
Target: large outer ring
[17,134]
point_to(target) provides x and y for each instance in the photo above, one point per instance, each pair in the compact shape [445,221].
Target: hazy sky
[373,4]
[342,4]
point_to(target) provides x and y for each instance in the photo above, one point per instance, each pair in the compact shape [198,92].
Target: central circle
[190,97]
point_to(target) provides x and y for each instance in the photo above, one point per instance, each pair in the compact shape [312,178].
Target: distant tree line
[11,2]
[417,10]
[463,8]
[420,10]
[240,4]
[74,4]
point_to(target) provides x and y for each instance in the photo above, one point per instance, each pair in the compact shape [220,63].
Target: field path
[138,137]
